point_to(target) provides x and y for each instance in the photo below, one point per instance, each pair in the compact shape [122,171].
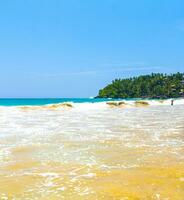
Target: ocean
[44,101]
[89,149]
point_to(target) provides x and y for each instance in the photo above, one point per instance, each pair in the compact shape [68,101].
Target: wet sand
[101,153]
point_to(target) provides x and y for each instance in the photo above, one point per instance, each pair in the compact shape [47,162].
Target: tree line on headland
[155,85]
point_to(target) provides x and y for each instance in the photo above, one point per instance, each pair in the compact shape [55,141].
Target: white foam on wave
[98,105]
[91,105]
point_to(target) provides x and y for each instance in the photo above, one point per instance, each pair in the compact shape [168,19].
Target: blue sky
[72,48]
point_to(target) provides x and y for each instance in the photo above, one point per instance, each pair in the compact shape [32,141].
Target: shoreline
[108,103]
[104,151]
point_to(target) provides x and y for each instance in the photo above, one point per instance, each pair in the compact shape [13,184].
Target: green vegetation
[146,86]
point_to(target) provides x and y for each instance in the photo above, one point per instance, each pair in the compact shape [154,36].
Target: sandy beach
[92,151]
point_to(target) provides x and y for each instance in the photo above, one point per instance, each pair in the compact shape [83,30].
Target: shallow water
[92,153]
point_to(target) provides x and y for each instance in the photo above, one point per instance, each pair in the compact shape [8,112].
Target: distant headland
[155,85]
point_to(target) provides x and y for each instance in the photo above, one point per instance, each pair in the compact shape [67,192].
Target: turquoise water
[44,101]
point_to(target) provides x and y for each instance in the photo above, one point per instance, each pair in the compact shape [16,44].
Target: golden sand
[138,160]
[157,177]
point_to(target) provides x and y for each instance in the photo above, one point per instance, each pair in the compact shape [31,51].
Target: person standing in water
[172,102]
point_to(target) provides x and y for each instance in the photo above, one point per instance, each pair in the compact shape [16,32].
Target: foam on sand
[93,151]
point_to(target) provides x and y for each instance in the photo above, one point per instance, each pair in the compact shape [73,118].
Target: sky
[72,48]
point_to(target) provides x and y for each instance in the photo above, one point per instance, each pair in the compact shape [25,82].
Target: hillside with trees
[155,85]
